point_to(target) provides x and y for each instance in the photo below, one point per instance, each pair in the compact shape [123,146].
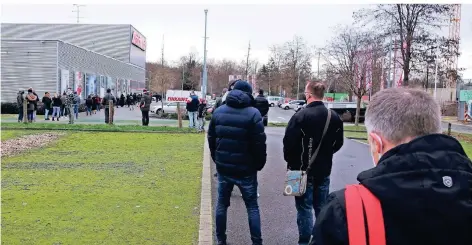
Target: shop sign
[138,40]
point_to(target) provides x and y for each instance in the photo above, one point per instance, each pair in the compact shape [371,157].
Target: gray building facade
[88,58]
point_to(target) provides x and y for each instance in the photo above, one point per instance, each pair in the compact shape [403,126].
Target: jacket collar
[315,103]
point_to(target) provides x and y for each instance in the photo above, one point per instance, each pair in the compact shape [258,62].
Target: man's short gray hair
[399,113]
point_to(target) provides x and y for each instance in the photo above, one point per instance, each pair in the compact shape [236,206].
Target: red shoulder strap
[375,221]
[355,216]
[358,199]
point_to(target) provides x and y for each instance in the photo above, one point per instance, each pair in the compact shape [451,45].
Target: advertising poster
[64,80]
[90,84]
[79,81]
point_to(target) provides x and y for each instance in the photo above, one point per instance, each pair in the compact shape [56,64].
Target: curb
[205,233]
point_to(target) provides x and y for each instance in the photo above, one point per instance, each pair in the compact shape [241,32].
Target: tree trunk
[350,96]
[179,115]
[358,110]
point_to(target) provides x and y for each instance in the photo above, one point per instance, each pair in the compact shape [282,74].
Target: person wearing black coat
[122,100]
[262,104]
[421,177]
[302,137]
[237,145]
[56,107]
[47,102]
[89,104]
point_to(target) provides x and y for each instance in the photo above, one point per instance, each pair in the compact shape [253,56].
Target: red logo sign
[138,40]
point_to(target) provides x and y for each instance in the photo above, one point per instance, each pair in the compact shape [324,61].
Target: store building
[86,57]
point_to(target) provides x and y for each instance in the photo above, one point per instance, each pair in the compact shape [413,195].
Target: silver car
[170,107]
[292,104]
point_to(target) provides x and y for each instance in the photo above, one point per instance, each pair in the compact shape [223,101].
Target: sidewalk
[278,213]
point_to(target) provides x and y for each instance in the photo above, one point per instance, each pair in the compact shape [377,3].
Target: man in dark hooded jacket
[422,178]
[262,104]
[237,144]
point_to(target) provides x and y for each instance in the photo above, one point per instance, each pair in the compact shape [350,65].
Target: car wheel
[272,105]
[286,108]
[160,112]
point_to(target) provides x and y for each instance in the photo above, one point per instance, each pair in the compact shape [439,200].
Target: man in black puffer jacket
[238,147]
[262,104]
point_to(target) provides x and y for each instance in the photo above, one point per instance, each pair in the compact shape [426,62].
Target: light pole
[204,58]
[298,86]
[436,74]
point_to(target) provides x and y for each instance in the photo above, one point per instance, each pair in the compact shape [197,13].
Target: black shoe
[221,243]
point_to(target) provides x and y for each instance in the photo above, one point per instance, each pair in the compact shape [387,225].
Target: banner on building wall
[79,83]
[64,81]
[90,84]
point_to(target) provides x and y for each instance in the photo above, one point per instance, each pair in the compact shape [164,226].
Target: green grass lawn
[361,134]
[104,188]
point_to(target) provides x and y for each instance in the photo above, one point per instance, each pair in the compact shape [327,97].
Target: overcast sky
[230,27]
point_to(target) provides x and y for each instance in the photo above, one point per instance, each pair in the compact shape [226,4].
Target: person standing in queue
[302,136]
[237,143]
[192,109]
[106,103]
[145,106]
[262,104]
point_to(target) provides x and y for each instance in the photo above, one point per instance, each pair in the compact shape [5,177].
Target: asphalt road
[278,213]
[279,115]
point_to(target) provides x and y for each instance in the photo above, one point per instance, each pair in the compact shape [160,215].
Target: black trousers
[145,118]
[107,115]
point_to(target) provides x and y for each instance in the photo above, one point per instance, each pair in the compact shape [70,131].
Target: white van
[273,100]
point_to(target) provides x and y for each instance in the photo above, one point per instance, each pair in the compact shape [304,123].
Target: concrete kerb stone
[205,233]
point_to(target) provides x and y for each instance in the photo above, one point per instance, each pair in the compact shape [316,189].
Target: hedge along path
[19,145]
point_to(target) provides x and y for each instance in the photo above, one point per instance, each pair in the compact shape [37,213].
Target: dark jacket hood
[239,99]
[423,175]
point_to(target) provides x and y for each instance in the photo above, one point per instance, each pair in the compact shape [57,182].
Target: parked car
[170,107]
[273,100]
[292,104]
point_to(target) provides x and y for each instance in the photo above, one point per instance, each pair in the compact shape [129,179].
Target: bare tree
[349,57]
[408,23]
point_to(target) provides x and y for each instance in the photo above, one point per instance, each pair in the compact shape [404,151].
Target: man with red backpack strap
[420,190]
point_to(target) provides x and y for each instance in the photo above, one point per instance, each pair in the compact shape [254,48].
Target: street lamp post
[298,86]
[204,58]
[436,74]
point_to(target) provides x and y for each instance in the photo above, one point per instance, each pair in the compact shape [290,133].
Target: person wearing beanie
[237,145]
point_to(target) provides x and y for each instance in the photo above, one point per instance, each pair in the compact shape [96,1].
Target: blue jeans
[56,111]
[20,114]
[192,118]
[314,198]
[248,187]
[76,111]
[89,110]
[46,113]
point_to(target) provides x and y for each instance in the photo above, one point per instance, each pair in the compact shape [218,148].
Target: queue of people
[418,192]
